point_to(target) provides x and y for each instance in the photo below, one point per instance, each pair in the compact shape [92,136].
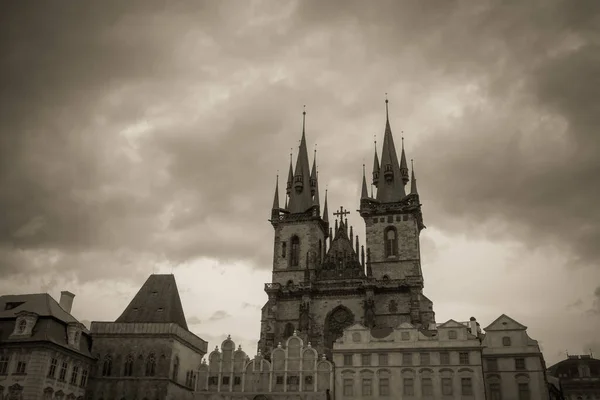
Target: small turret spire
[390,188]
[413,180]
[325,211]
[314,180]
[290,180]
[375,165]
[276,197]
[403,165]
[364,193]
[301,195]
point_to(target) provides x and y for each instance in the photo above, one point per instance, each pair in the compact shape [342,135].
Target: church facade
[323,280]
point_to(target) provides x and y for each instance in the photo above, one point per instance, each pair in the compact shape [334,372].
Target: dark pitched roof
[51,324]
[157,301]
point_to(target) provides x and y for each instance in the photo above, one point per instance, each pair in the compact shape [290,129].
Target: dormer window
[21,327]
[24,323]
[74,333]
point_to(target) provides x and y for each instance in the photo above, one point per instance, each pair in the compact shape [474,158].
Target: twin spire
[389,175]
[302,187]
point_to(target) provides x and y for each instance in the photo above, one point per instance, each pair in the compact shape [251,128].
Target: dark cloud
[219,315]
[140,134]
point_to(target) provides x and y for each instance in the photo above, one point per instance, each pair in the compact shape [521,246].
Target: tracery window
[128,367]
[151,365]
[391,242]
[295,252]
[106,367]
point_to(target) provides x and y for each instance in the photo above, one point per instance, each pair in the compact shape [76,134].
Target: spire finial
[386,107]
[402,140]
[303,117]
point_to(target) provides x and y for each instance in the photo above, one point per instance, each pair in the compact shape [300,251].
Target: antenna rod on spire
[386,107]
[303,118]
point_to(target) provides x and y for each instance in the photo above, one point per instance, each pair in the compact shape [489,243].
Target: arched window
[289,330]
[391,242]
[175,368]
[295,253]
[151,365]
[107,366]
[128,367]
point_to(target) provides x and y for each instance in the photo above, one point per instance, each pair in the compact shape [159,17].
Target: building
[295,371]
[513,364]
[148,353]
[44,350]
[323,281]
[579,377]
[409,362]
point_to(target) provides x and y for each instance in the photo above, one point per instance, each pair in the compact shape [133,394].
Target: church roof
[156,302]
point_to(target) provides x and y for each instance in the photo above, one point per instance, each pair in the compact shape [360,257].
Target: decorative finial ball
[279,345]
[324,357]
[216,348]
[295,332]
[228,337]
[309,345]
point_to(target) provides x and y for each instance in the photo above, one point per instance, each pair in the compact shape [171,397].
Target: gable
[451,324]
[505,323]
[157,301]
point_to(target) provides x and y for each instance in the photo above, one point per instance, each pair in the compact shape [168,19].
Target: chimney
[473,326]
[66,300]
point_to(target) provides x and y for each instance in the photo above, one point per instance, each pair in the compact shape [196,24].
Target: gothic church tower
[322,280]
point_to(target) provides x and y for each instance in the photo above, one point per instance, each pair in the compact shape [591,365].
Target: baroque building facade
[578,377]
[148,353]
[323,281]
[44,350]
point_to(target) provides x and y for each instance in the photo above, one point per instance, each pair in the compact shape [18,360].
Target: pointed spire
[403,164]
[325,210]
[364,192]
[390,188]
[290,180]
[314,180]
[375,166]
[413,180]
[276,198]
[301,196]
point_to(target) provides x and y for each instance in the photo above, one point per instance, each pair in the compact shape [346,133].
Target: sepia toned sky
[146,136]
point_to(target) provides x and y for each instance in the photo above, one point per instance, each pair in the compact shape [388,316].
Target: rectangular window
[424,358]
[409,387]
[466,386]
[390,219]
[492,364]
[348,359]
[21,367]
[452,335]
[495,391]
[366,387]
[74,374]
[444,358]
[348,387]
[213,380]
[366,360]
[52,369]
[519,364]
[383,359]
[405,336]
[4,364]
[384,386]
[279,380]
[225,380]
[447,386]
[427,386]
[463,358]
[406,358]
[524,393]
[63,371]
[84,376]
[308,380]
[237,380]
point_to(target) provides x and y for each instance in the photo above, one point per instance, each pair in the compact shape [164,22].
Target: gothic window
[336,322]
[295,253]
[128,367]
[175,368]
[289,330]
[106,367]
[151,365]
[391,242]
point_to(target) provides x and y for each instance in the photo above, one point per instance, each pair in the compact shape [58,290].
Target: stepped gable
[157,301]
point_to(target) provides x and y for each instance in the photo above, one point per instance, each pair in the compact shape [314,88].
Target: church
[323,280]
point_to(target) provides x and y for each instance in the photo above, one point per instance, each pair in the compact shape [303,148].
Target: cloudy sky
[140,137]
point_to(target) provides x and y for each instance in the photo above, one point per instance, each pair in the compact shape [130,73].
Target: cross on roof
[341,213]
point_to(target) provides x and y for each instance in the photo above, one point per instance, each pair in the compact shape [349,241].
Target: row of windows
[492,364]
[20,366]
[62,373]
[128,366]
[408,387]
[279,379]
[523,390]
[390,218]
[407,359]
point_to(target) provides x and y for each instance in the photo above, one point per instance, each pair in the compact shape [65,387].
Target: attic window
[22,326]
